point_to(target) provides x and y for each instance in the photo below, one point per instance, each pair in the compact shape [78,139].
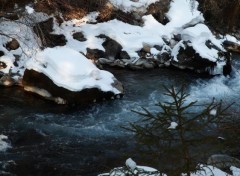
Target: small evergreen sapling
[180,128]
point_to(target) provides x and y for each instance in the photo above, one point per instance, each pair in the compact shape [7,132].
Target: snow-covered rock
[66,76]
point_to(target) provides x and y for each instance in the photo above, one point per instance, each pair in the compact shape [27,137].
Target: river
[49,139]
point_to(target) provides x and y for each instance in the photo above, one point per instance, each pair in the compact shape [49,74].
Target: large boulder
[67,77]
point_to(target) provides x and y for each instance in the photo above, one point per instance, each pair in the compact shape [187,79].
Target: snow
[213,112]
[3,144]
[173,126]
[29,10]
[129,6]
[235,171]
[180,14]
[69,69]
[131,164]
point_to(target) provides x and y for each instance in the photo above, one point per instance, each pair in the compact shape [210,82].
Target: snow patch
[173,126]
[130,5]
[29,10]
[3,144]
[213,112]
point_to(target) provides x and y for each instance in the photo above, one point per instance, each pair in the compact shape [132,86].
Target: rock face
[40,84]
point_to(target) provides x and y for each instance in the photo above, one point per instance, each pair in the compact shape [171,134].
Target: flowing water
[48,139]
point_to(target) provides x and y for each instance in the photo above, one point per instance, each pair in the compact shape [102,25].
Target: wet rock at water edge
[163,59]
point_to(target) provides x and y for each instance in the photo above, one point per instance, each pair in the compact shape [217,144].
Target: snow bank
[3,144]
[69,69]
[133,38]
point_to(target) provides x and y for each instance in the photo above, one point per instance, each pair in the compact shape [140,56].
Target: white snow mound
[69,69]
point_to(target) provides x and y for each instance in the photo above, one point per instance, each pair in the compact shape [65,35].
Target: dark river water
[48,139]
